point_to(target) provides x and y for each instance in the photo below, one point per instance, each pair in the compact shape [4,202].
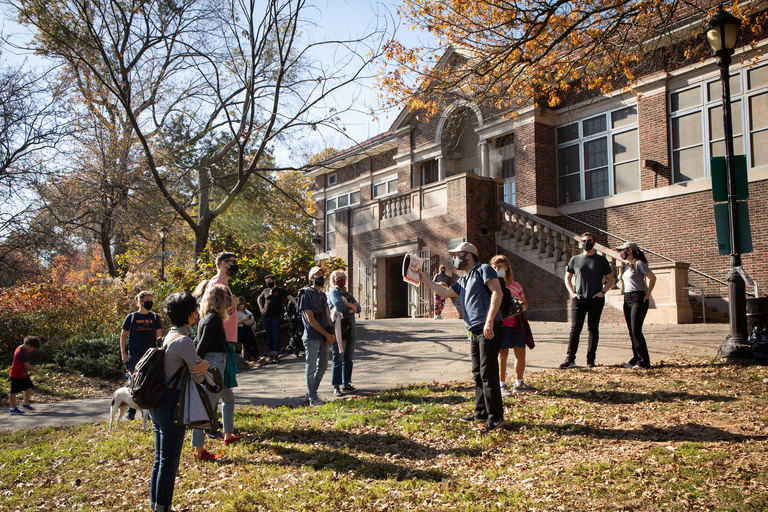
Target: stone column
[440,168]
[485,163]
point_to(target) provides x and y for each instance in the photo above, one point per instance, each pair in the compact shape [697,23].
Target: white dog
[121,401]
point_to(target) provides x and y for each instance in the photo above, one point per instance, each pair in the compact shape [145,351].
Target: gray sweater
[179,350]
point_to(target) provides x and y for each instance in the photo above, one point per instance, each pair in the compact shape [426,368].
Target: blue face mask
[501,273]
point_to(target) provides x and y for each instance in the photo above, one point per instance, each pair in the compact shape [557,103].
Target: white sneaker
[435,317]
[317,402]
[522,388]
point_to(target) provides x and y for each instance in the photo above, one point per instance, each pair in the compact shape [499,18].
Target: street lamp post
[163,233]
[722,31]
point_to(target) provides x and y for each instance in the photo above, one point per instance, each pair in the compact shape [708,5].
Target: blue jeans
[341,372]
[169,440]
[316,353]
[218,360]
[485,371]
[272,330]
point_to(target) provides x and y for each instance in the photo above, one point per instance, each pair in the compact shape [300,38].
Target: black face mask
[320,281]
[233,269]
[148,304]
[589,246]
[442,271]
[271,285]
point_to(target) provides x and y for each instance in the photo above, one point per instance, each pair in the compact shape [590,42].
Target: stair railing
[548,239]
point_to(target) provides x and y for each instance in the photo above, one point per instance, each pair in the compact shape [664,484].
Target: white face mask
[501,273]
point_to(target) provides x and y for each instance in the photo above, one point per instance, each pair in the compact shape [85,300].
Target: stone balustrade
[547,239]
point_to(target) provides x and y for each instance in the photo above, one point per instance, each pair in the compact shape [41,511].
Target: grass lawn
[679,437]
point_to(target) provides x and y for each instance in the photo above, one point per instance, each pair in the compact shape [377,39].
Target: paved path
[392,352]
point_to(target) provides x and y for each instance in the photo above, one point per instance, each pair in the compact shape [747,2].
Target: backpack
[148,379]
[510,306]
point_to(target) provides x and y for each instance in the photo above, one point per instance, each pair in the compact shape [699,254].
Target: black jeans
[581,309]
[635,309]
[248,340]
[485,371]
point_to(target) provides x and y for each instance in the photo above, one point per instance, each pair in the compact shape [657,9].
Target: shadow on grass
[624,397]
[691,432]
[335,451]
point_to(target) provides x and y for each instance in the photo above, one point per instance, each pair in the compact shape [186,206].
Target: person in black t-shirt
[139,333]
[271,305]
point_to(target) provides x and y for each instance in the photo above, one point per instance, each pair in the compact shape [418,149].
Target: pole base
[733,351]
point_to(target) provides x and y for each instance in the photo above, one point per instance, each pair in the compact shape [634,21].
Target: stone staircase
[713,315]
[549,247]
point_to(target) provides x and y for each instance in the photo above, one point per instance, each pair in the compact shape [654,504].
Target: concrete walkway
[406,351]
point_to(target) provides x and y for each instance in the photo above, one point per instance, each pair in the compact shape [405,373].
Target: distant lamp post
[722,31]
[163,233]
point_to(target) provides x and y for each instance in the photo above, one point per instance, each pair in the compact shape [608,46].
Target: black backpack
[510,306]
[148,379]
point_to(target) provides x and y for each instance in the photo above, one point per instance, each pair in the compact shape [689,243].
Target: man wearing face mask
[587,297]
[226,269]
[480,296]
[271,306]
[318,333]
[140,332]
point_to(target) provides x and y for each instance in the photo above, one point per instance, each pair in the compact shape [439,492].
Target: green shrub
[92,357]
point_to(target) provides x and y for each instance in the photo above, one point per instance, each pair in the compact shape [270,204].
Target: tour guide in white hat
[484,322]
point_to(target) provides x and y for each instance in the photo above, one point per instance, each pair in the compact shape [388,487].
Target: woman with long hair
[514,334]
[636,301]
[212,346]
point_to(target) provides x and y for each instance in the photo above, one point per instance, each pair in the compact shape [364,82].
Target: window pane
[508,168]
[718,148]
[626,177]
[392,186]
[596,153]
[567,160]
[596,183]
[379,190]
[625,146]
[330,241]
[716,130]
[342,201]
[504,140]
[624,117]
[715,89]
[330,222]
[354,197]
[685,99]
[759,148]
[686,130]
[758,112]
[758,77]
[595,125]
[568,133]
[330,205]
[569,189]
[689,164]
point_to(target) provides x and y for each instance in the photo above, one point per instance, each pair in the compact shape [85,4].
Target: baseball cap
[629,245]
[464,247]
[313,271]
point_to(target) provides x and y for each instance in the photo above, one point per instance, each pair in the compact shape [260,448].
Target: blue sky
[329,19]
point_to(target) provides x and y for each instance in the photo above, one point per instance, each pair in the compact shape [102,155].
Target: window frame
[388,184]
[332,211]
[745,132]
[580,142]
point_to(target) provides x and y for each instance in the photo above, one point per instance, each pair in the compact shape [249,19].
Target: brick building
[624,166]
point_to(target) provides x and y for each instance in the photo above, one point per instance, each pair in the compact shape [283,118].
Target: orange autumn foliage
[518,52]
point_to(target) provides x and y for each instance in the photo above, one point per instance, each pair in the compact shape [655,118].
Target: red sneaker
[232,440]
[206,455]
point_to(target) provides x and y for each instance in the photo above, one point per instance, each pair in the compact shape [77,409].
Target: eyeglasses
[585,240]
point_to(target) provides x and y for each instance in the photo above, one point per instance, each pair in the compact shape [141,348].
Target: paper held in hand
[411,266]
